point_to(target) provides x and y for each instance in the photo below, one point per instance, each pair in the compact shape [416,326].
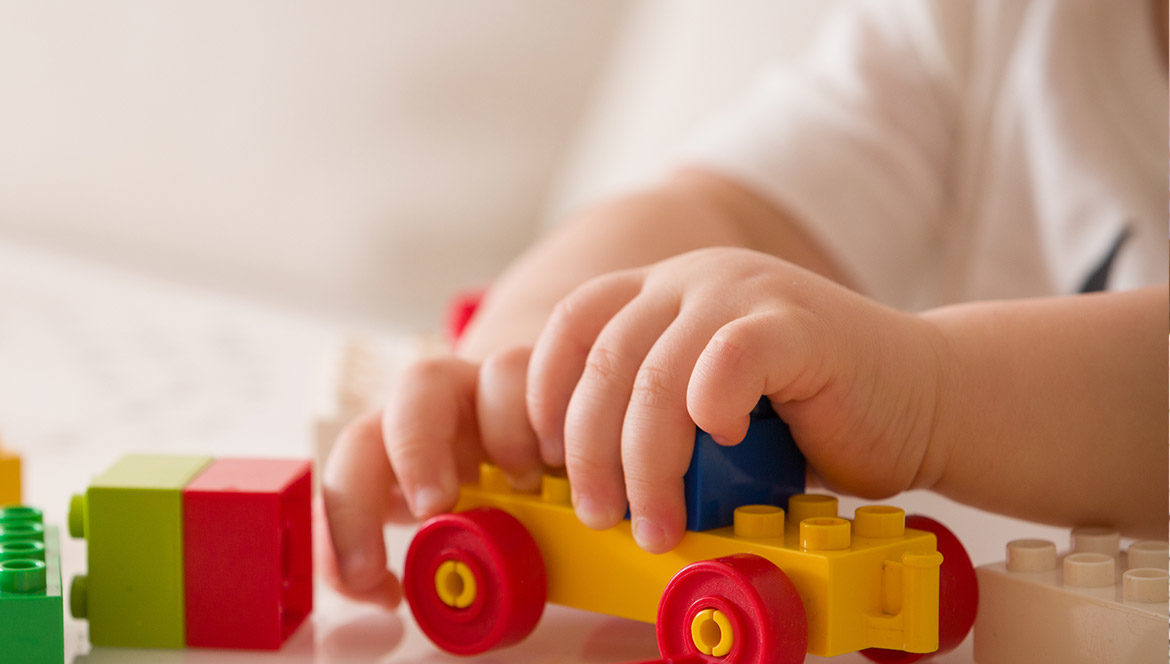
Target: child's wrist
[944,378]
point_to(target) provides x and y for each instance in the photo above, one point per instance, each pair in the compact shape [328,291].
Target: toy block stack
[1092,604]
[9,477]
[190,550]
[31,623]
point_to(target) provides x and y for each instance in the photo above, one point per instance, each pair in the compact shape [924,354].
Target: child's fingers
[774,353]
[559,355]
[430,413]
[386,592]
[658,434]
[358,501]
[593,422]
[505,432]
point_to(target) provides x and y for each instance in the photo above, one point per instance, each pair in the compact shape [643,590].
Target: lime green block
[132,517]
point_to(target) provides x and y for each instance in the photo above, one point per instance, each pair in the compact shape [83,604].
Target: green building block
[132,517]
[31,622]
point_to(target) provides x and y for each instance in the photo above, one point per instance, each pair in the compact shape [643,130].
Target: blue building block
[31,619]
[765,469]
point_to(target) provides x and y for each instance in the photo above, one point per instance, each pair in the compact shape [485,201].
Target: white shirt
[962,150]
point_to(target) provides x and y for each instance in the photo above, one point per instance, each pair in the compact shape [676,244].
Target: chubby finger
[559,355]
[775,353]
[430,413]
[384,590]
[658,434]
[504,429]
[593,421]
[358,500]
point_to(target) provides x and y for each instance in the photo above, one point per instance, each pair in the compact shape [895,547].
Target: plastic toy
[460,310]
[765,468]
[133,516]
[31,624]
[768,588]
[247,553]
[10,490]
[132,519]
[1093,604]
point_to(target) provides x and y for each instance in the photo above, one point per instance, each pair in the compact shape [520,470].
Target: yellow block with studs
[866,583]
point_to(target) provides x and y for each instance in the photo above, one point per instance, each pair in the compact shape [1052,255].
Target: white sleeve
[855,140]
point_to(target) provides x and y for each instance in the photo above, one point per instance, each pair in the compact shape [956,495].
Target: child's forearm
[689,211]
[1052,409]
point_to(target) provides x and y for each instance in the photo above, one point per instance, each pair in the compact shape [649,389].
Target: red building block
[248,552]
[460,311]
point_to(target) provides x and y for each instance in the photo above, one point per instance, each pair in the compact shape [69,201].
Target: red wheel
[958,595]
[741,608]
[475,580]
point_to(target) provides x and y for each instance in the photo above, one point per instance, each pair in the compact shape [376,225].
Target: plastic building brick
[187,550]
[131,516]
[765,469]
[1092,604]
[10,490]
[31,624]
[803,577]
[460,311]
[247,552]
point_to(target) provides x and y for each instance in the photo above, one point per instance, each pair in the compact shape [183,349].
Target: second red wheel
[740,608]
[475,580]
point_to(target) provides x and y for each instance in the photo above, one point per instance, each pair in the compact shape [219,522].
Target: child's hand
[443,417]
[631,361]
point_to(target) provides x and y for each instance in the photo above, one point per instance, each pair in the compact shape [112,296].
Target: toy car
[766,588]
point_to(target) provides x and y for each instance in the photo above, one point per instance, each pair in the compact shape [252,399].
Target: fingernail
[589,511]
[428,500]
[649,535]
[529,481]
[552,450]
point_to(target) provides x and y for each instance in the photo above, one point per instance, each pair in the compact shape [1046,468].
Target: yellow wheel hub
[711,633]
[455,584]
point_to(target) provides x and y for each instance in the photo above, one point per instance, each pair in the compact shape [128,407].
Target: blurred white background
[360,160]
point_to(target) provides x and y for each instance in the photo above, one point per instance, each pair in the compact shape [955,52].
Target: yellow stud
[455,584]
[879,521]
[493,479]
[759,521]
[825,534]
[711,633]
[810,505]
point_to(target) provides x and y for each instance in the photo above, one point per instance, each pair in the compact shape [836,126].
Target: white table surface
[95,362]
